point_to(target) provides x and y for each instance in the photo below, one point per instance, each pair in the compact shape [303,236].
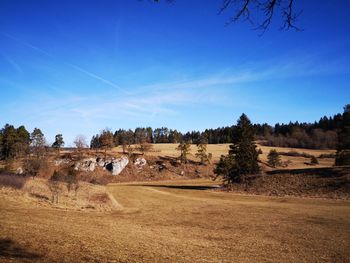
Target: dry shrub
[295,154]
[13,181]
[327,155]
[99,198]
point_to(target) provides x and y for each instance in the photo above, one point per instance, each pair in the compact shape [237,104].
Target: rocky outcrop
[87,165]
[140,162]
[117,165]
[19,170]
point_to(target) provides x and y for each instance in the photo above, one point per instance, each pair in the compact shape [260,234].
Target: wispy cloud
[13,63]
[72,65]
[88,73]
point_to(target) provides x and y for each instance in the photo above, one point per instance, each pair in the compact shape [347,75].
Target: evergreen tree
[38,142]
[22,141]
[273,158]
[58,142]
[106,140]
[202,150]
[313,160]
[184,148]
[243,156]
[8,141]
[343,149]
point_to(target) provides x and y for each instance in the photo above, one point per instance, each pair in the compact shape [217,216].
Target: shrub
[295,154]
[71,179]
[343,157]
[13,181]
[274,158]
[54,186]
[32,167]
[327,155]
[313,160]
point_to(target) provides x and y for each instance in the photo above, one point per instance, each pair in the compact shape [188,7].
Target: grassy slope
[158,224]
[168,149]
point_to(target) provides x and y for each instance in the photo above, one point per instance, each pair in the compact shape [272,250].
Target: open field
[169,149]
[179,221]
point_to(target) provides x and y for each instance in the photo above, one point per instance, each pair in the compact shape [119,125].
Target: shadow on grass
[185,187]
[9,249]
[323,172]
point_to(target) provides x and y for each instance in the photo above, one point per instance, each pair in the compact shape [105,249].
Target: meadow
[190,220]
[181,221]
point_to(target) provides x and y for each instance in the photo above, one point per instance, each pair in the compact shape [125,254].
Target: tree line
[323,134]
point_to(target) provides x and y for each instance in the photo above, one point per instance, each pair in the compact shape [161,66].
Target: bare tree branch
[268,9]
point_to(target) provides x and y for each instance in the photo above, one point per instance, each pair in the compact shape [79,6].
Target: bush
[13,181]
[54,186]
[71,179]
[313,160]
[295,154]
[33,167]
[327,155]
[274,158]
[343,157]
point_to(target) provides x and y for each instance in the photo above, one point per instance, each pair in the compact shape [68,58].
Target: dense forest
[322,134]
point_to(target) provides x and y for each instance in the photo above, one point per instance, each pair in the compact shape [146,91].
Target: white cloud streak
[74,66]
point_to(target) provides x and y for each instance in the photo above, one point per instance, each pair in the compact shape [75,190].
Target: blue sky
[76,67]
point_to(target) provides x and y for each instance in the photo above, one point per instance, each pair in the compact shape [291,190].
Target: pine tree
[202,151]
[243,156]
[58,142]
[106,140]
[343,149]
[184,148]
[38,142]
[273,158]
[313,160]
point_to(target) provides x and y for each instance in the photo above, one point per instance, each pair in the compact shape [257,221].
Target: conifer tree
[202,151]
[242,159]
[184,148]
[58,142]
[343,149]
[38,142]
[273,158]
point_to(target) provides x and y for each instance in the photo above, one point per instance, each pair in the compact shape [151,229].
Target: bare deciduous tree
[80,143]
[266,10]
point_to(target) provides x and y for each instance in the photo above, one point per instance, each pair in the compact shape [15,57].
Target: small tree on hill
[80,144]
[243,156]
[58,142]
[273,158]
[184,149]
[313,160]
[202,154]
[145,147]
[38,142]
[106,140]
[54,186]
[32,167]
[71,180]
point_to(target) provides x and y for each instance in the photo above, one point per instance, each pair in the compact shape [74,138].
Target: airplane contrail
[76,67]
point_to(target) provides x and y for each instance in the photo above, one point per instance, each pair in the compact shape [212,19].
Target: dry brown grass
[169,149]
[179,221]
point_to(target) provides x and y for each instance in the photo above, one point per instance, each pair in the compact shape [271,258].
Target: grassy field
[179,221]
[169,149]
